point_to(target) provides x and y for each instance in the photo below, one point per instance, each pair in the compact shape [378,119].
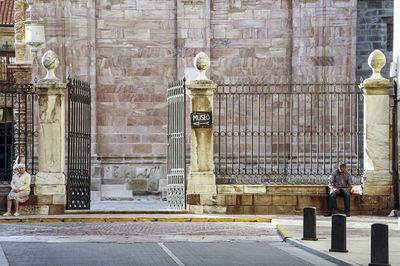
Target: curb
[319,253]
[281,230]
[287,238]
[132,219]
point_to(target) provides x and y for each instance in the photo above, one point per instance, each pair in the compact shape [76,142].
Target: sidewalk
[358,238]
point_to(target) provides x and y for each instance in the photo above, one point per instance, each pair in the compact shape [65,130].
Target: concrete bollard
[379,245]
[309,224]
[338,234]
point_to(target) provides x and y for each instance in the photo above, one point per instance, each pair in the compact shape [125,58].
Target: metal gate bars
[17,127]
[176,166]
[79,150]
[287,133]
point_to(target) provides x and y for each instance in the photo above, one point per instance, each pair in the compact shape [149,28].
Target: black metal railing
[18,133]
[176,165]
[286,133]
[79,144]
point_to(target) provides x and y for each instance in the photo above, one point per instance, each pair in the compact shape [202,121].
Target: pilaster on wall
[193,31]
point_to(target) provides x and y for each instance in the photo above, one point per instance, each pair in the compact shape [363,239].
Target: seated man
[340,183]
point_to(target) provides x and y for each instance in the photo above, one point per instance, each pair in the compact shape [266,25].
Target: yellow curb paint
[264,220]
[245,219]
[283,232]
[30,220]
[120,219]
[51,220]
[71,220]
[221,219]
[10,220]
[146,219]
[93,219]
[199,219]
[140,219]
[173,219]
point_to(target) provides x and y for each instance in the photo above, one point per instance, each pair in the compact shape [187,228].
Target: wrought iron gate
[176,165]
[286,133]
[79,150]
[18,133]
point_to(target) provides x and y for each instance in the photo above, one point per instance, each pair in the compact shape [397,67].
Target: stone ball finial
[202,63]
[50,62]
[376,61]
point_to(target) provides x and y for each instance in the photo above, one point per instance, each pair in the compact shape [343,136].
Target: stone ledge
[286,204]
[36,205]
[275,189]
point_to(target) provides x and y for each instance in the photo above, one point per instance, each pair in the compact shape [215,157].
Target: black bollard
[338,234]
[379,244]
[309,224]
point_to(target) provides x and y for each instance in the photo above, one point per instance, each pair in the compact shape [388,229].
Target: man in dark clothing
[340,183]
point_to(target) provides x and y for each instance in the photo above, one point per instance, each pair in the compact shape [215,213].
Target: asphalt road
[151,243]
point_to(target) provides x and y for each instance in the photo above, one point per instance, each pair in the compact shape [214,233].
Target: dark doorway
[6,145]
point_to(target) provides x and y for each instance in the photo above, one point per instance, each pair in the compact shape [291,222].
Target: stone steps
[115,192]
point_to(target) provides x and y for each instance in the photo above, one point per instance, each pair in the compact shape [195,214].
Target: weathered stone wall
[374,23]
[129,50]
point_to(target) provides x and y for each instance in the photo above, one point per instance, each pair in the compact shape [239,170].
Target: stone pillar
[50,180]
[201,178]
[377,129]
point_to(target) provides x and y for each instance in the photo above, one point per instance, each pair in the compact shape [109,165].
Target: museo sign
[201,119]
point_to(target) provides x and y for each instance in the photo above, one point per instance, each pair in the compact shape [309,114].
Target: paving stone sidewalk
[358,237]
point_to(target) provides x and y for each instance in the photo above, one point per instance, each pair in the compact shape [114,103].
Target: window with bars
[5,59]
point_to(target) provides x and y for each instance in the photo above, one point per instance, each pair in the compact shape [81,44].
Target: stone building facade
[374,31]
[6,36]
[130,49]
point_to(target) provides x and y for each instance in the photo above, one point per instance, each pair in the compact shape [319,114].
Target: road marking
[3,259]
[169,252]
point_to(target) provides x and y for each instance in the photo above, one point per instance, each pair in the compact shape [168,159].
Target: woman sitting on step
[20,189]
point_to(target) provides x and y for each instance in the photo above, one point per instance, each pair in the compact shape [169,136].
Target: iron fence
[286,133]
[176,165]
[79,144]
[17,127]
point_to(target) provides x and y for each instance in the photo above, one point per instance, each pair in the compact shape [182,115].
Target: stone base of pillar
[201,183]
[378,183]
[50,189]
[199,209]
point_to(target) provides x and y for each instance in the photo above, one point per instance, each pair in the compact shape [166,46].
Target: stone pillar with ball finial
[201,181]
[378,176]
[50,183]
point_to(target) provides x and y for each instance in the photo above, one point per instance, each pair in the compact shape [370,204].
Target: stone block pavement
[358,238]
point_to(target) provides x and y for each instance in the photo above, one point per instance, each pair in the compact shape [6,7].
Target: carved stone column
[201,179]
[377,127]
[19,30]
[50,180]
